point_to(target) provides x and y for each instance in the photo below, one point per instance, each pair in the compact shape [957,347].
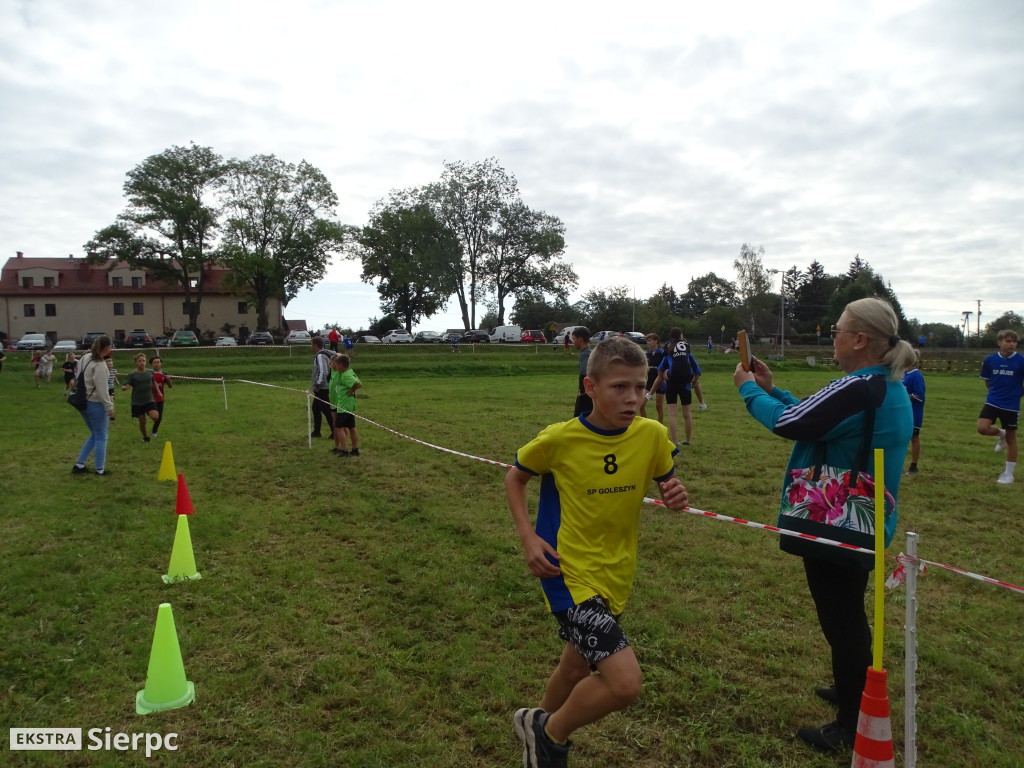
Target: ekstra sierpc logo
[60,739]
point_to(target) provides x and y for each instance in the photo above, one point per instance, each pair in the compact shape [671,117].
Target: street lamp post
[782,317]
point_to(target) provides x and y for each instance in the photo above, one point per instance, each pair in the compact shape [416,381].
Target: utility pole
[967,325]
[979,322]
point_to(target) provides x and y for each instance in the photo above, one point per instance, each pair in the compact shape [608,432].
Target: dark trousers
[583,405]
[321,410]
[838,593]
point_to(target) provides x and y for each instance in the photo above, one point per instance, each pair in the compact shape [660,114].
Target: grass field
[377,611]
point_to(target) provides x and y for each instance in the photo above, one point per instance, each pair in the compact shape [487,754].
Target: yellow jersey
[593,483]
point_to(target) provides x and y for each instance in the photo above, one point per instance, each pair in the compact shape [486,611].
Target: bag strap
[863,452]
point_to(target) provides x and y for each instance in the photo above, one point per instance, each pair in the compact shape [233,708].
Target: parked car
[184,339]
[162,341]
[505,333]
[636,336]
[260,337]
[90,337]
[32,341]
[536,337]
[226,341]
[65,346]
[397,336]
[602,335]
[475,336]
[367,340]
[298,337]
[427,337]
[137,338]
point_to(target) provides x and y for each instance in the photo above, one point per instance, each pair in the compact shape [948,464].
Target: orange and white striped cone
[873,745]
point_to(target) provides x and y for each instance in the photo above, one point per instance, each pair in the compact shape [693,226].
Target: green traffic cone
[183,561]
[166,686]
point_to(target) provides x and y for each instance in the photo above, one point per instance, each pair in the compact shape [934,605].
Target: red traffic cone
[873,746]
[184,504]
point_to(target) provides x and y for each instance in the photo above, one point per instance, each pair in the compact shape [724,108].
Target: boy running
[1003,372]
[160,380]
[141,382]
[595,471]
[343,386]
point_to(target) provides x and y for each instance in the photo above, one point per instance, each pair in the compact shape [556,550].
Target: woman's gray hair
[875,317]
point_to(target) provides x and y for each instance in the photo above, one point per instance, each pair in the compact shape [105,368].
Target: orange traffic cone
[184,503]
[873,746]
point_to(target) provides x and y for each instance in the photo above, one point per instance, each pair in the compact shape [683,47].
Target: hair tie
[894,340]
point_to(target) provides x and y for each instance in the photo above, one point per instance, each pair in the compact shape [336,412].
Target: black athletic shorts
[343,419]
[142,410]
[682,390]
[1007,418]
[592,630]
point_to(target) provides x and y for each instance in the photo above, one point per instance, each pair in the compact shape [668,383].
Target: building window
[137,308]
[118,308]
[51,310]
[30,309]
[136,282]
[243,308]
[48,282]
[26,282]
[117,282]
[193,282]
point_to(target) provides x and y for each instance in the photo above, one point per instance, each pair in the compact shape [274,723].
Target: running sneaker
[539,751]
[1005,479]
[1001,444]
[702,407]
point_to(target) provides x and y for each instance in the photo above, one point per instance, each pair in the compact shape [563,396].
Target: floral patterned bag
[836,504]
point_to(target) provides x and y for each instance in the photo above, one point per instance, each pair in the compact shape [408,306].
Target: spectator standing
[319,386]
[333,338]
[99,406]
[344,384]
[913,381]
[581,341]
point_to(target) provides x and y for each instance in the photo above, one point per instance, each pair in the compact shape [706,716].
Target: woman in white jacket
[99,409]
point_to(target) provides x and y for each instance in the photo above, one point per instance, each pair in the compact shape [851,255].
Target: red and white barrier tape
[896,578]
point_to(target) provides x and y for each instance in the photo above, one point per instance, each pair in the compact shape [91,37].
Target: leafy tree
[414,258]
[867,283]
[940,335]
[170,223]
[467,201]
[1007,321]
[532,310]
[523,255]
[277,239]
[705,292]
[857,266]
[380,326]
[753,284]
[608,310]
[811,308]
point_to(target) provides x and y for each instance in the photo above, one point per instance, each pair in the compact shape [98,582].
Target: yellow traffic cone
[166,686]
[183,562]
[167,464]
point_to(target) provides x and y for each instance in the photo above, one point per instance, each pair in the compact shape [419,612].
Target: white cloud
[664,135]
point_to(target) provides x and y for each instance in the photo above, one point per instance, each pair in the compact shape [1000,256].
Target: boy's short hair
[615,350]
[317,341]
[581,332]
[1006,333]
[155,358]
[652,336]
[140,354]
[343,360]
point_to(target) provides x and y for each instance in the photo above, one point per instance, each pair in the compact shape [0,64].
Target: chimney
[71,256]
[21,255]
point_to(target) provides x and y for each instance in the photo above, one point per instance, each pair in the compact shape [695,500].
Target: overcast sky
[664,135]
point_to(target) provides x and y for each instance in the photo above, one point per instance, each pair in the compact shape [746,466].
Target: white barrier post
[224,384]
[910,664]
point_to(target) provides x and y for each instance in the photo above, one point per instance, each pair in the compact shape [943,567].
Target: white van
[507,333]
